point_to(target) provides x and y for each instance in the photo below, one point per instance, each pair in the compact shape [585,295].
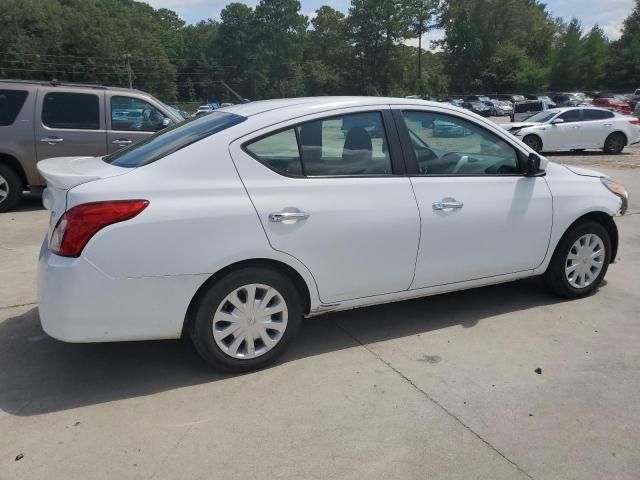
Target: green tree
[593,62]
[623,64]
[566,58]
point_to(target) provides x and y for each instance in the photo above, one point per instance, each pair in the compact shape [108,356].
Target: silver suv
[40,120]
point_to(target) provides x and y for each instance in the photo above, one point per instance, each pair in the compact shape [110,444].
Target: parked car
[615,103]
[257,215]
[478,107]
[476,98]
[203,110]
[499,108]
[566,100]
[636,112]
[542,97]
[512,98]
[41,119]
[577,129]
[528,108]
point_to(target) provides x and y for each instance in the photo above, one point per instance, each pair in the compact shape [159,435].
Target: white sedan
[577,128]
[232,227]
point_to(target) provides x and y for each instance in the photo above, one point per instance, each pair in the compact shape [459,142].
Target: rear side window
[528,107]
[592,114]
[71,111]
[172,139]
[11,102]
[279,152]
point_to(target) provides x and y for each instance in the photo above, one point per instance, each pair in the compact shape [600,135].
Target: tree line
[273,50]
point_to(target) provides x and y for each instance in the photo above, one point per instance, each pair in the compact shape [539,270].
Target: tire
[232,353]
[534,142]
[615,143]
[568,285]
[10,189]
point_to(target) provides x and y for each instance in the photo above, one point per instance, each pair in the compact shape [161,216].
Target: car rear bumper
[79,303]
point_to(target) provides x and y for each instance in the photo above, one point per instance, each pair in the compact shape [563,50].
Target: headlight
[619,191]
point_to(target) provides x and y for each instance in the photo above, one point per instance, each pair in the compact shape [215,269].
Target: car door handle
[577,126]
[607,124]
[122,141]
[445,205]
[52,140]
[282,216]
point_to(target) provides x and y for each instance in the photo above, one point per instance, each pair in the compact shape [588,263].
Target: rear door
[329,190]
[70,123]
[130,119]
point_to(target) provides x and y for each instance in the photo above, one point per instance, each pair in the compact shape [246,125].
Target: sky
[609,14]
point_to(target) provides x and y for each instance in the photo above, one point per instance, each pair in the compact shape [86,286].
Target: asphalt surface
[440,388]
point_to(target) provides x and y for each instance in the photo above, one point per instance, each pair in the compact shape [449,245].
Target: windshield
[172,139]
[542,117]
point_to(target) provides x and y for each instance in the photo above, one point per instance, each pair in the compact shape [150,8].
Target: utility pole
[129,72]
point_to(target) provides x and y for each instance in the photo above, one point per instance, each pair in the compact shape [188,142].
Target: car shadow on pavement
[41,375]
[30,203]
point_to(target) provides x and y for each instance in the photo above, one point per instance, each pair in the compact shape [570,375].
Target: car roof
[319,104]
[55,83]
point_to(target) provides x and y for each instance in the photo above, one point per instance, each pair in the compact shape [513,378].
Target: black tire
[12,187]
[555,277]
[615,143]
[534,142]
[201,324]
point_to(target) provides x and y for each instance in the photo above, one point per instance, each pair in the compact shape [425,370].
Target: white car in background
[577,128]
[232,227]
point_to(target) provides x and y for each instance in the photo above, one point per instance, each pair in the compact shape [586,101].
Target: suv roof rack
[57,83]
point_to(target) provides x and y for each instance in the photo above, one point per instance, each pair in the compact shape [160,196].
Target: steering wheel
[462,161]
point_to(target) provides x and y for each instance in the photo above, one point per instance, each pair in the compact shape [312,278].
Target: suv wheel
[245,321]
[10,189]
[580,261]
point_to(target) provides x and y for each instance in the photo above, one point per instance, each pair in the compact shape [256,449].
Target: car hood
[509,126]
[585,172]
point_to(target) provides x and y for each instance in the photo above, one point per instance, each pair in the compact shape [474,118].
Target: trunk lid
[64,173]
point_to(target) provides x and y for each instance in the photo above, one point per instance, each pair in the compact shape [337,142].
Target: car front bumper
[80,303]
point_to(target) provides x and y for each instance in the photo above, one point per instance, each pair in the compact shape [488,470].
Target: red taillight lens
[635,121]
[80,223]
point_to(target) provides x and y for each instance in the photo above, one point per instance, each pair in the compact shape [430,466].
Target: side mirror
[557,121]
[531,166]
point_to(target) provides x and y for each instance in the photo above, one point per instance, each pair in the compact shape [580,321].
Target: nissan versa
[232,227]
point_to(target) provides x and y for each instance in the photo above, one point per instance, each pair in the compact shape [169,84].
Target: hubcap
[585,261]
[250,321]
[4,189]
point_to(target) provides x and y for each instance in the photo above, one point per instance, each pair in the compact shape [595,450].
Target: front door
[70,124]
[568,134]
[480,217]
[327,193]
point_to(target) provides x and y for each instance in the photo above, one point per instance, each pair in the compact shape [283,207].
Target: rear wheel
[10,189]
[534,142]
[614,143]
[580,261]
[246,320]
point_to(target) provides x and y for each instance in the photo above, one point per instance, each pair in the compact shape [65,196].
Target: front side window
[11,102]
[448,145]
[592,114]
[172,139]
[131,114]
[346,145]
[62,110]
[571,116]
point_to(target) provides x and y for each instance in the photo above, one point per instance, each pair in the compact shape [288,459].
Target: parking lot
[503,382]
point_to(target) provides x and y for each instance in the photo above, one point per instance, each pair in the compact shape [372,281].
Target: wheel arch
[603,219]
[13,163]
[296,278]
[539,139]
[626,139]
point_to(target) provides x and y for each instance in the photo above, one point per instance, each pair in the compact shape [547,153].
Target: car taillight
[80,223]
[635,121]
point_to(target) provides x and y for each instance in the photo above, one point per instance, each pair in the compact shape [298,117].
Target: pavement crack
[18,305]
[378,357]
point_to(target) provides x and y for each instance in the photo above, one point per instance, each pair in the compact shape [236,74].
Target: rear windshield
[11,102]
[528,107]
[172,139]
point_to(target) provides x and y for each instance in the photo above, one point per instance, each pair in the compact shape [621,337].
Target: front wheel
[534,142]
[245,320]
[580,261]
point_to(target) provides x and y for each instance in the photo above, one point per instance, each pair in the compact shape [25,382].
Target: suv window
[135,115]
[11,102]
[71,111]
[172,139]
[528,107]
[571,116]
[448,145]
[347,145]
[592,114]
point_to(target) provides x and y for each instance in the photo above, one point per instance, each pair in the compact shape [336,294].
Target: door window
[571,116]
[346,145]
[131,114]
[448,145]
[11,102]
[593,114]
[62,110]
